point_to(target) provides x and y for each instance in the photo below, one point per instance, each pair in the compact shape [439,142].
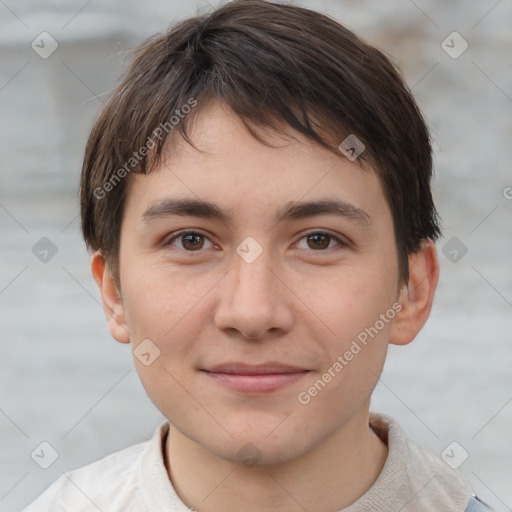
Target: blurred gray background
[65,381]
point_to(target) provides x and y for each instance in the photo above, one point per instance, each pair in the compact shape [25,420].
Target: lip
[260,378]
[240,368]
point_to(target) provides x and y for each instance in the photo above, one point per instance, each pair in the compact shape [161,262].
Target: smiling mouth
[262,380]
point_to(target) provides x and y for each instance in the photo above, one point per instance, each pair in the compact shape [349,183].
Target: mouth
[263,378]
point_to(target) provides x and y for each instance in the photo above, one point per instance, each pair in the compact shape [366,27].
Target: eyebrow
[292,210]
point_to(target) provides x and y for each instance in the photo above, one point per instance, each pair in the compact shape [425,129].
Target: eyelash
[341,242]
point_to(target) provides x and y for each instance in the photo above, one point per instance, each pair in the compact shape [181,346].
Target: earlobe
[111,299]
[417,296]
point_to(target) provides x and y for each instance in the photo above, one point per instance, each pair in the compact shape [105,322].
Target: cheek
[161,301]
[358,307]
[355,300]
[165,307]
[170,308]
[361,317]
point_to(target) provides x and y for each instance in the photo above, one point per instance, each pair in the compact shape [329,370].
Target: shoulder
[107,484]
[449,480]
[425,481]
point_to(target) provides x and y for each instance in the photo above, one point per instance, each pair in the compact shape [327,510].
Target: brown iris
[321,239]
[193,238]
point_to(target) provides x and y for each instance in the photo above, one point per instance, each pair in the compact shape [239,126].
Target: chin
[252,453]
[262,443]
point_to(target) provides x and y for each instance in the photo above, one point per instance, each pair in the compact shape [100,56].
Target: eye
[190,241]
[319,240]
[194,241]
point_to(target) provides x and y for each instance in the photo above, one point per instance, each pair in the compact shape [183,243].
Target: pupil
[193,238]
[316,237]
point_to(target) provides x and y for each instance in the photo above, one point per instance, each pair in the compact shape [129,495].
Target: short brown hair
[272,64]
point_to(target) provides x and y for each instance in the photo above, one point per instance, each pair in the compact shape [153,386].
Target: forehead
[231,168]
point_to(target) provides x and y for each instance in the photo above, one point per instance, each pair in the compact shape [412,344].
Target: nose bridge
[253,281]
[253,299]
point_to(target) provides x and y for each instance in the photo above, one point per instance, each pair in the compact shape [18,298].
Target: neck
[331,476]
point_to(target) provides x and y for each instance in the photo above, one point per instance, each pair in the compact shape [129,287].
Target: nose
[254,300]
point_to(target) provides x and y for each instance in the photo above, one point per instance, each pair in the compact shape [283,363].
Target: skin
[201,304]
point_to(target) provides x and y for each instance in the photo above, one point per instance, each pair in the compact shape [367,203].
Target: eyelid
[343,241]
[177,234]
[340,239]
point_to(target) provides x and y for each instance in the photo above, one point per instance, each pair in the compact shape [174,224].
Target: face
[293,289]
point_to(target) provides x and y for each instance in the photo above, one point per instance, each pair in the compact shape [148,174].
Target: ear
[417,295]
[112,302]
